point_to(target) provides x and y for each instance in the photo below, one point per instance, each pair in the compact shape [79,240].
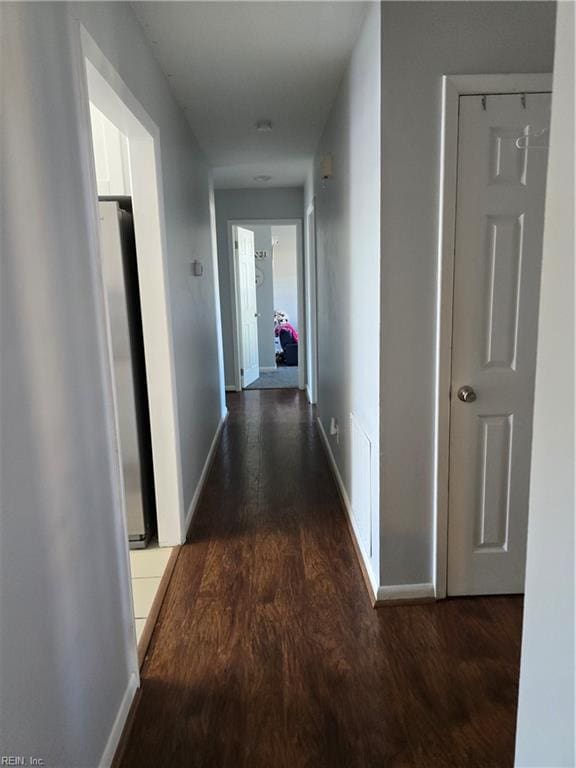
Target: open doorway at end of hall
[267,278]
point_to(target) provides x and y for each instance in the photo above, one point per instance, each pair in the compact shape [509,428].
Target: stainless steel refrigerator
[122,295]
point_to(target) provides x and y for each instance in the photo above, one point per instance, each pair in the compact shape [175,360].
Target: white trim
[454,86]
[311,294]
[268,369]
[119,722]
[231,388]
[217,304]
[204,476]
[300,291]
[462,85]
[234,311]
[302,343]
[367,566]
[406,592]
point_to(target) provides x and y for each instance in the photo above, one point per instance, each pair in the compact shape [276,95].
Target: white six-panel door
[499,225]
[247,309]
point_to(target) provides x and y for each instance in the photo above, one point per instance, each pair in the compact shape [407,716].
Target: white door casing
[247,304]
[498,247]
[311,307]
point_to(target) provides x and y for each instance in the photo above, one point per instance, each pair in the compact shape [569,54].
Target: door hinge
[241,371]
[235,245]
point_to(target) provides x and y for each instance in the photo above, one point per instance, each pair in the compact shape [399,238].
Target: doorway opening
[266,273]
[129,218]
[123,306]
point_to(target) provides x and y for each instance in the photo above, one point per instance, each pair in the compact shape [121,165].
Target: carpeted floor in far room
[284,377]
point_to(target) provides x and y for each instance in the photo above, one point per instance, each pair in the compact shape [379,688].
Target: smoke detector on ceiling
[262,179]
[264,126]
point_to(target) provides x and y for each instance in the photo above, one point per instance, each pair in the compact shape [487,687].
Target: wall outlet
[326,167]
[197,268]
[335,429]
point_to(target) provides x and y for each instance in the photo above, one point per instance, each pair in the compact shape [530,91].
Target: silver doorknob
[466,394]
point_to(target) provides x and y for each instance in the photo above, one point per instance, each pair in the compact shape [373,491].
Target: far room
[265,350]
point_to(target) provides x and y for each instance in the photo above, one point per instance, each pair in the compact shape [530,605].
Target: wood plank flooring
[268,653]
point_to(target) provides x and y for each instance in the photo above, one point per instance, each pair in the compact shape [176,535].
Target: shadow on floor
[267,652]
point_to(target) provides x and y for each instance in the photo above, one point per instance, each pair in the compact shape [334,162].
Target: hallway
[267,652]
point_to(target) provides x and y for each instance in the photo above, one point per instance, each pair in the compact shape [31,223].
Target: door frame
[454,86]
[311,288]
[102,85]
[236,301]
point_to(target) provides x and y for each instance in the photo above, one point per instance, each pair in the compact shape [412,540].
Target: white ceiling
[233,63]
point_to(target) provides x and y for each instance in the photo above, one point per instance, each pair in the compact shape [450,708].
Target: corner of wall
[120,721]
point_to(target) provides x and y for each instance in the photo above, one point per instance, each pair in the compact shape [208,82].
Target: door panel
[500,216]
[247,309]
[493,510]
[504,263]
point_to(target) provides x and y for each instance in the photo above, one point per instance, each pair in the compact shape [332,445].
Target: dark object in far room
[289,347]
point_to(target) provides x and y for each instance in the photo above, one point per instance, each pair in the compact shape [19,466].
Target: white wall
[246,204]
[110,155]
[348,252]
[546,714]
[420,43]
[286,271]
[67,650]
[64,664]
[185,182]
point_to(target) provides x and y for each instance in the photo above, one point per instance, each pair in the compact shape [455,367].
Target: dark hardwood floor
[268,654]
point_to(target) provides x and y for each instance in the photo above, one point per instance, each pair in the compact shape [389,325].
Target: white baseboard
[204,475]
[268,369]
[119,722]
[365,564]
[423,591]
[230,388]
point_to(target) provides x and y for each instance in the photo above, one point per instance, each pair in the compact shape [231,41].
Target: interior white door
[499,226]
[247,306]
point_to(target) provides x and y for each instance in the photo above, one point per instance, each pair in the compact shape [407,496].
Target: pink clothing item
[287,327]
